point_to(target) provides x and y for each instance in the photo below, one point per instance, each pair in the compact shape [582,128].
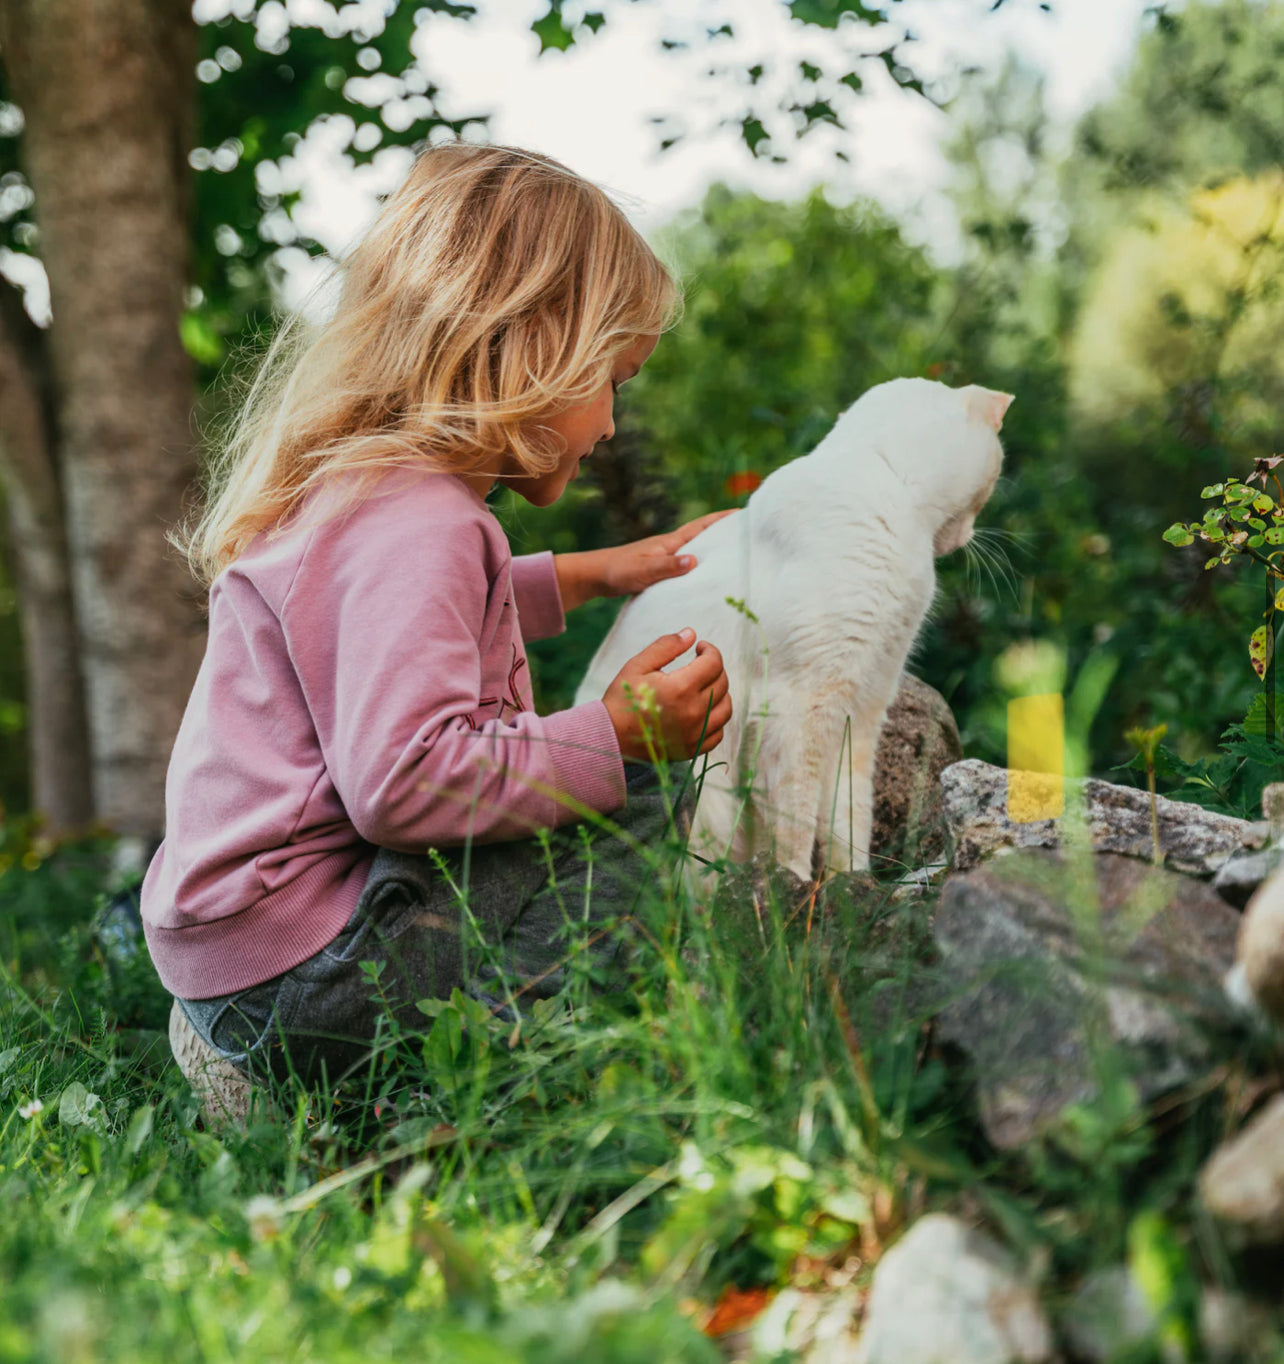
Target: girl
[364,696]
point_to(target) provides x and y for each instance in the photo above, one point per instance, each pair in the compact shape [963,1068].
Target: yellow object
[1036,758]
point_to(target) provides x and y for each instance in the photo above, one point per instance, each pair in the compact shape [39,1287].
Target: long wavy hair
[495,288]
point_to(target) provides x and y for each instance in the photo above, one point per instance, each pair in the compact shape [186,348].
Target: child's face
[579,428]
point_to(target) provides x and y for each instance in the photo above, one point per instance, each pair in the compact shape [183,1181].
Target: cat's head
[944,444]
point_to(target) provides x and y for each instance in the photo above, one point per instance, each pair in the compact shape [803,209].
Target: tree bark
[57,732]
[106,88]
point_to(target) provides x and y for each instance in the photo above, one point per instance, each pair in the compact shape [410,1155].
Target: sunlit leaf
[79,1107]
[1261,647]
[1179,534]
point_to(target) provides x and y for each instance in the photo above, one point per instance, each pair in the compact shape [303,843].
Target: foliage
[760,1108]
[1249,524]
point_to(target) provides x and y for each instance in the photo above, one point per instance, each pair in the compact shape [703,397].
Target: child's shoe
[226,1093]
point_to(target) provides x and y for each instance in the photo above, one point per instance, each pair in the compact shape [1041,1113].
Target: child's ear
[988,406]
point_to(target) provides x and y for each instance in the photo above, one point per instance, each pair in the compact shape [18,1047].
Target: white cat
[833,562]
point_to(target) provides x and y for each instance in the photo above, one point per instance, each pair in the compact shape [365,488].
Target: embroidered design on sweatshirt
[514,703]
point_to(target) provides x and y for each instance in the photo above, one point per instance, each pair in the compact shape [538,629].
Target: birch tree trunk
[56,725]
[106,88]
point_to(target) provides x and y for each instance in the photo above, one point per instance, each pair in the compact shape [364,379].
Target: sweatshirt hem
[277,933]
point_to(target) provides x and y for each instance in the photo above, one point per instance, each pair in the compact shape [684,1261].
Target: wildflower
[29,1110]
[742,483]
[263,1213]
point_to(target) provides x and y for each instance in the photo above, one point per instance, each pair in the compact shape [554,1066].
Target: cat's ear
[988,406]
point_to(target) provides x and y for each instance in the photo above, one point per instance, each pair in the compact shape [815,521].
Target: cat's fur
[834,557]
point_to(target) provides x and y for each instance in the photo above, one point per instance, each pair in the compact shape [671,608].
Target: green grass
[763,1105]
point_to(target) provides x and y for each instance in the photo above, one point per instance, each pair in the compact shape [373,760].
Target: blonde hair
[495,288]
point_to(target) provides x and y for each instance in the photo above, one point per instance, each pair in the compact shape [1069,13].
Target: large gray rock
[919,741]
[1055,963]
[1117,818]
[1243,1182]
[946,1294]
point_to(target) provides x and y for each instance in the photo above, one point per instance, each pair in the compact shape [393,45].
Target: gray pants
[507,923]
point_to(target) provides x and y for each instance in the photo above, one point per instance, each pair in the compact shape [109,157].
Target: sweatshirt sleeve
[538,597]
[385,629]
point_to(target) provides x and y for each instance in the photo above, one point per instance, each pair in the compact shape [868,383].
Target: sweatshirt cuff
[537,597]
[586,757]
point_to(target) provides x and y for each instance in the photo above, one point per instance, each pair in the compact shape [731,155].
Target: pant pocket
[384,919]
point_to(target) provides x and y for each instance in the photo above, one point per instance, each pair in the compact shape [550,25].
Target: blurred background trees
[1125,288]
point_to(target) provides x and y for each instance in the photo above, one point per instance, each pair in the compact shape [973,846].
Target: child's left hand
[629,569]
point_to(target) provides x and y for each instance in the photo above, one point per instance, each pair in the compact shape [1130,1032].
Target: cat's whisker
[1008,574]
[1022,540]
[994,563]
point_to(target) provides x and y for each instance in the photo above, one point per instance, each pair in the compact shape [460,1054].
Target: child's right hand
[682,713]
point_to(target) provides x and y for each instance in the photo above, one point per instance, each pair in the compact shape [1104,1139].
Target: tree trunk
[57,731]
[106,88]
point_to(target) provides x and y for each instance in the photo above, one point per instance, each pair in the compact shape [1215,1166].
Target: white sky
[590,106]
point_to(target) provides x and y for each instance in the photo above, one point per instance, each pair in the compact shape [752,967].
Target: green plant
[1249,523]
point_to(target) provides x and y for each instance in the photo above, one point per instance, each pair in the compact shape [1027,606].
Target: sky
[593,106]
[590,106]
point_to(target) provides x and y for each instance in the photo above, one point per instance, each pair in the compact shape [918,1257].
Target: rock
[1118,818]
[1107,1314]
[1037,973]
[1242,1183]
[919,741]
[1259,955]
[1232,1328]
[1241,874]
[1109,1317]
[946,1294]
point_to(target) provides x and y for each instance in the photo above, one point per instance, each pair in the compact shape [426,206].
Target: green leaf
[200,340]
[828,13]
[1213,490]
[1256,541]
[1275,535]
[754,133]
[1259,721]
[552,31]
[1179,535]
[1262,503]
[140,1129]
[78,1107]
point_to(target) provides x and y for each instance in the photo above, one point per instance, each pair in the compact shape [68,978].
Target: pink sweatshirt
[365,684]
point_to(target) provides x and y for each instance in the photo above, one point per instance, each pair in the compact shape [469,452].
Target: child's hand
[628,569]
[670,715]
